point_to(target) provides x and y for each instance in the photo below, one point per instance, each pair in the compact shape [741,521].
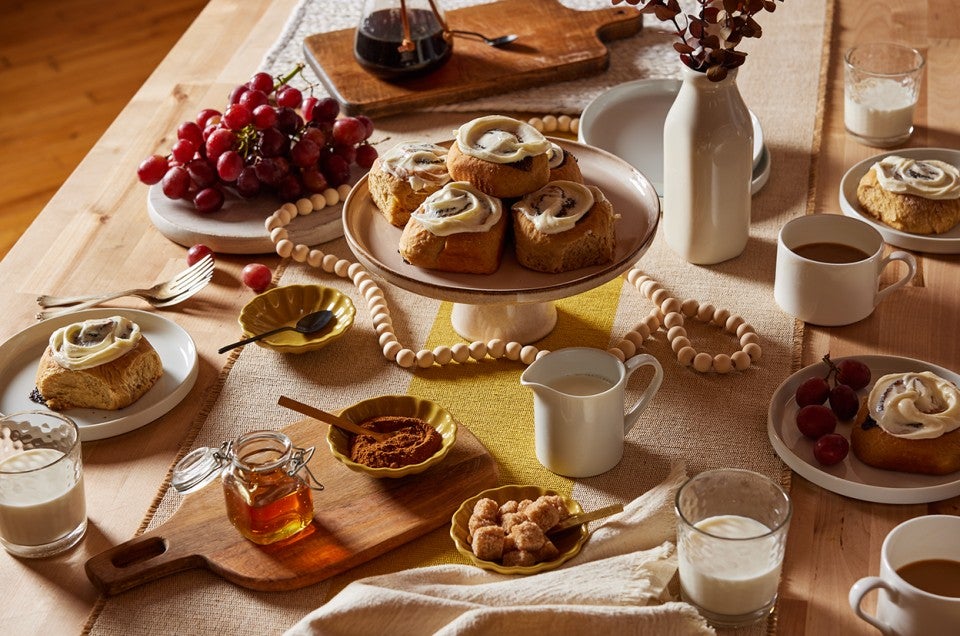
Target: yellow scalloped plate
[286,305]
[402,405]
[568,542]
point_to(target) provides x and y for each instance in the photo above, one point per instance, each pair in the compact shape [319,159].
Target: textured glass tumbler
[881,88]
[731,535]
[42,504]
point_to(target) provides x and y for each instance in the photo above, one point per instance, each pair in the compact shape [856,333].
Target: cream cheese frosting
[82,345]
[554,156]
[915,405]
[557,206]
[422,165]
[500,139]
[927,178]
[458,207]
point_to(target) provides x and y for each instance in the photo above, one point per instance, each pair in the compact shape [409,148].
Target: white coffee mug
[833,293]
[578,408]
[903,609]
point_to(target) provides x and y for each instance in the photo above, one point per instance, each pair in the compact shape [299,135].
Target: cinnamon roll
[404,176]
[564,226]
[457,229]
[501,156]
[914,425]
[912,195]
[99,364]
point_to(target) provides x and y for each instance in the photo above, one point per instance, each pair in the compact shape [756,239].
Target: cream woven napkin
[618,582]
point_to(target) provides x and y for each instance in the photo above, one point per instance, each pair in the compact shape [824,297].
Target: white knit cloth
[617,584]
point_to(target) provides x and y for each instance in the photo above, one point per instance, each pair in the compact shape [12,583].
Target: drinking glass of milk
[42,505]
[731,535]
[881,85]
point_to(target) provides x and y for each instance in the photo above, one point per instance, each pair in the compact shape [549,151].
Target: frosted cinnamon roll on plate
[404,176]
[457,229]
[564,226]
[920,196]
[501,156]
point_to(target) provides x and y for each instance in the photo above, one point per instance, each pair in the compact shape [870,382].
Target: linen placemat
[706,421]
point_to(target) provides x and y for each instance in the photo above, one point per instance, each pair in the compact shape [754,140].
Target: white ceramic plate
[851,477]
[374,241]
[20,355]
[948,243]
[627,120]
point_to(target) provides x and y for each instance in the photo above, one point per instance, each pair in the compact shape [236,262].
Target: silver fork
[176,290]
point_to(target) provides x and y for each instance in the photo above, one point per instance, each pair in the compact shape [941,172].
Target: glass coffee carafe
[400,39]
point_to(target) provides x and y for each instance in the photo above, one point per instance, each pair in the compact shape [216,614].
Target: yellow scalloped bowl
[402,405]
[285,306]
[568,542]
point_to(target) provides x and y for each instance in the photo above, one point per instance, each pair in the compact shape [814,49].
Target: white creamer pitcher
[578,408]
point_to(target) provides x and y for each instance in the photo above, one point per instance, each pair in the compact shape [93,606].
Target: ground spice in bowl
[413,441]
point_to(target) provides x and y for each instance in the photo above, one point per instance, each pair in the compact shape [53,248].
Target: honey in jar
[266,498]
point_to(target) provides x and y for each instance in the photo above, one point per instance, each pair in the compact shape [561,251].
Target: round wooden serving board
[356,518]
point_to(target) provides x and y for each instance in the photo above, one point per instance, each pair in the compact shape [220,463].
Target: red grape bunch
[261,143]
[818,421]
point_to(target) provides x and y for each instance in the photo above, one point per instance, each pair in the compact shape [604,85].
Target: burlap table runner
[706,421]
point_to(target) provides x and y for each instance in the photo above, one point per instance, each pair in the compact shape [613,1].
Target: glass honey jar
[266,497]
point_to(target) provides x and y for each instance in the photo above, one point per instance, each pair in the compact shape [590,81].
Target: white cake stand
[514,303]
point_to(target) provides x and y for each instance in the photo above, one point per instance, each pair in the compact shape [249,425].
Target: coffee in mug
[828,269]
[919,583]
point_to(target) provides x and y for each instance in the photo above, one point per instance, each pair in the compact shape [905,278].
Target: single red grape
[305,153]
[313,179]
[816,420]
[267,171]
[264,117]
[237,93]
[273,143]
[183,150]
[348,130]
[336,170]
[367,125]
[202,173]
[176,182]
[253,98]
[853,373]
[288,121]
[152,169]
[256,276]
[366,155]
[237,116]
[208,200]
[261,82]
[307,108]
[220,141]
[197,252]
[348,152]
[248,184]
[289,97]
[315,135]
[844,401]
[190,131]
[204,117]
[812,391]
[229,165]
[831,449]
[326,109]
[289,188]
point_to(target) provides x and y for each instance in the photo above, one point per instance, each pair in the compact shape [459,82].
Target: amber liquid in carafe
[271,507]
[380,35]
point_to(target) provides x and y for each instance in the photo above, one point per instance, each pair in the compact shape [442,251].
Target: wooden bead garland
[669,312]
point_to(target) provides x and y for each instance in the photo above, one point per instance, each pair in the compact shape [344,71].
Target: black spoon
[503,40]
[310,323]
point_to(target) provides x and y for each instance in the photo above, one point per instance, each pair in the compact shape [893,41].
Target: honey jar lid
[197,469]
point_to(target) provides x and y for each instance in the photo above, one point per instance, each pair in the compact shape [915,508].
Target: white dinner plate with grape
[851,477]
[20,356]
[946,243]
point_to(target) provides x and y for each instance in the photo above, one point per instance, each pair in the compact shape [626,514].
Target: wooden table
[95,227]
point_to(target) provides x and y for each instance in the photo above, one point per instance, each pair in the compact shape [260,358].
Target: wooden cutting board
[555,43]
[356,518]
